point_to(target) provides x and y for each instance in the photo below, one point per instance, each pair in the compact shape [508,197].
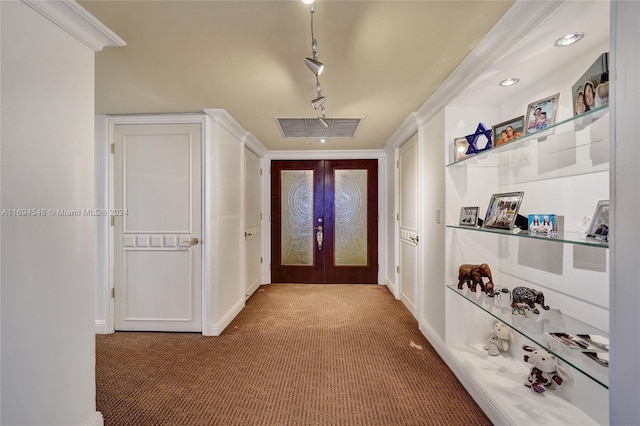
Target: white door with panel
[253,218]
[158,255]
[409,239]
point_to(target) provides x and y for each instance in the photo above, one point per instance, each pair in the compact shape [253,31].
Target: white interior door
[409,239]
[157,186]
[253,218]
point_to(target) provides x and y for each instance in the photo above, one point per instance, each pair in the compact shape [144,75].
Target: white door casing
[158,252]
[253,219]
[408,192]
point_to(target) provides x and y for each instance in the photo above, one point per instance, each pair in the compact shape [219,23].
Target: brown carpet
[296,355]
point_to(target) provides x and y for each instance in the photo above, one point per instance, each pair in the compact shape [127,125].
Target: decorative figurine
[545,370]
[472,275]
[499,339]
[530,296]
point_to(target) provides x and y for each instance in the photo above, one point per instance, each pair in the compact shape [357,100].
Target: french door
[324,221]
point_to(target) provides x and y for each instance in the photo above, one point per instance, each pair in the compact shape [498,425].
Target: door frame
[104,183]
[380,155]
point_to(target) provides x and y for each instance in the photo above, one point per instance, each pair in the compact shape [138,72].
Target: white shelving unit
[563,170]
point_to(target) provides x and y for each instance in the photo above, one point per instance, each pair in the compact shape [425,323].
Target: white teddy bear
[499,339]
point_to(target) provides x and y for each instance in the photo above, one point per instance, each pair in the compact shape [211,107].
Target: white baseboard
[101,327]
[490,407]
[217,328]
[392,287]
[252,290]
[95,420]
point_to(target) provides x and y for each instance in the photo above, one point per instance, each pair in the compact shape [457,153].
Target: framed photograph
[599,227]
[469,216]
[503,210]
[542,114]
[592,88]
[542,224]
[460,147]
[508,130]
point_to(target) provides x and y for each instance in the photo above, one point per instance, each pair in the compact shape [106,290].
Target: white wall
[625,187]
[388,215]
[224,238]
[48,262]
[432,196]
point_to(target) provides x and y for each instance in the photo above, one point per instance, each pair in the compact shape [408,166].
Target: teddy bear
[545,370]
[499,339]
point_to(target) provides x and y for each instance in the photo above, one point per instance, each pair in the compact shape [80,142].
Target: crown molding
[222,117]
[75,20]
[408,128]
[255,146]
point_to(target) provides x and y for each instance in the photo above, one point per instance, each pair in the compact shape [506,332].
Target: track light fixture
[317,102]
[316,68]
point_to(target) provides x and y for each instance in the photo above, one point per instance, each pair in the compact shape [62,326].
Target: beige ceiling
[383,60]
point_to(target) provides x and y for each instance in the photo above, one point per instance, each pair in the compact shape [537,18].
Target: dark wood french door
[324,221]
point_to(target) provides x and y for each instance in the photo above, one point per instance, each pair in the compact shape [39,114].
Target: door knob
[193,242]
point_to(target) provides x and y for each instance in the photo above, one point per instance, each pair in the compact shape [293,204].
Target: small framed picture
[508,131]
[468,216]
[599,227]
[542,224]
[503,210]
[542,114]
[592,89]
[460,147]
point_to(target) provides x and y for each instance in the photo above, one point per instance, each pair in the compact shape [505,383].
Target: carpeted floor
[295,355]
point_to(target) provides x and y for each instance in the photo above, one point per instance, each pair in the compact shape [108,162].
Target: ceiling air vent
[311,127]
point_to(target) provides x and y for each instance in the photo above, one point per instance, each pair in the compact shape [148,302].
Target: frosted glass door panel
[351,217]
[297,217]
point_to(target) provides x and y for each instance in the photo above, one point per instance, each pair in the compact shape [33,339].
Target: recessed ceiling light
[568,40]
[509,81]
[323,140]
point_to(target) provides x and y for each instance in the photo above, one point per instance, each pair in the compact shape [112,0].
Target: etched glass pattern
[297,217]
[351,217]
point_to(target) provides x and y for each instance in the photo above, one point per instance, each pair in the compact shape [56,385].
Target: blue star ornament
[481,130]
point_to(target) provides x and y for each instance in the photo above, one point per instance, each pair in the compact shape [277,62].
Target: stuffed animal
[545,370]
[499,339]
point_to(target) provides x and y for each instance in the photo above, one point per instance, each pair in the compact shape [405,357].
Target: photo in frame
[591,91]
[542,114]
[542,224]
[599,227]
[468,216]
[503,210]
[460,147]
[508,131]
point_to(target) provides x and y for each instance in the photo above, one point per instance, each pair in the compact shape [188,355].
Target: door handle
[415,239]
[193,242]
[246,234]
[319,236]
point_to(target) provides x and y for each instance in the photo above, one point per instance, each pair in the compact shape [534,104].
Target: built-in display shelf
[560,236]
[536,326]
[567,135]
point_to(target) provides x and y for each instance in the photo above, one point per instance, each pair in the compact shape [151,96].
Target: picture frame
[599,227]
[541,114]
[460,147]
[543,224]
[502,134]
[468,216]
[503,210]
[591,91]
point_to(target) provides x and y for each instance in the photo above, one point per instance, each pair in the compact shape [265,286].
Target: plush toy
[499,339]
[545,370]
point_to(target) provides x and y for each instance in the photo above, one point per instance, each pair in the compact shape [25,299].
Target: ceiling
[383,59]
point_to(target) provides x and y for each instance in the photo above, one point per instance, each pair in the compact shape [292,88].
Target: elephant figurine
[528,296]
[472,275]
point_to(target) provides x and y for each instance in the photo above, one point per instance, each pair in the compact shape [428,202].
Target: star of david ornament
[481,130]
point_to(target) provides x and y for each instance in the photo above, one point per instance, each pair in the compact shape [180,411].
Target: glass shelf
[566,237]
[536,326]
[564,140]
